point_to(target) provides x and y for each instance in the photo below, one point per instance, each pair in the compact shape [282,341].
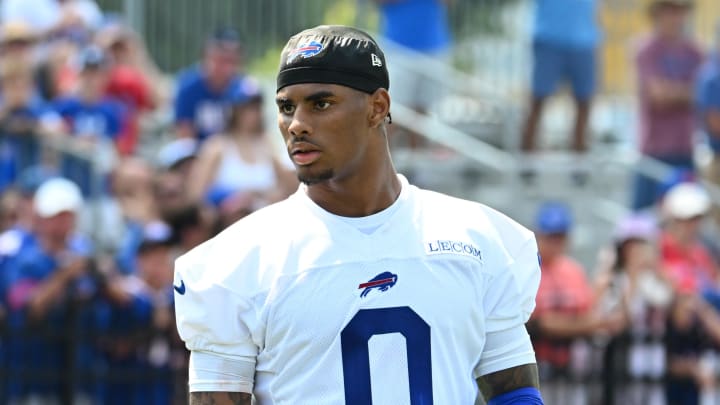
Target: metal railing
[70,359]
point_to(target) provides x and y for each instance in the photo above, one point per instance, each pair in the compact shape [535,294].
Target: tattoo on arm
[220,398]
[508,380]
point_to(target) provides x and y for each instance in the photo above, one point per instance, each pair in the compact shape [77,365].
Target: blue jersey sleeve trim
[520,396]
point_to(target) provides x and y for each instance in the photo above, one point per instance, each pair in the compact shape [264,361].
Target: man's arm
[220,398]
[503,381]
[559,325]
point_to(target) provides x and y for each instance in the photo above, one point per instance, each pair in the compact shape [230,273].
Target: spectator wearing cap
[93,119]
[50,282]
[16,231]
[563,311]
[631,281]
[141,339]
[17,41]
[178,156]
[203,95]
[242,160]
[667,64]
[685,258]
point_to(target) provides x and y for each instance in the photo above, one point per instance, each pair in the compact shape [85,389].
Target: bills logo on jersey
[382,282]
[305,50]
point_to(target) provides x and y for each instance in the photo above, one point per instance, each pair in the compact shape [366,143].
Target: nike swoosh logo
[181,288]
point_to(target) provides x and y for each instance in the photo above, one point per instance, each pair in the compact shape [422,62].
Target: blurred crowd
[93,213]
[646,328]
[95,206]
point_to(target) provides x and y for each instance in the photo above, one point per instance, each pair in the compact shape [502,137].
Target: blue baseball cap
[553,217]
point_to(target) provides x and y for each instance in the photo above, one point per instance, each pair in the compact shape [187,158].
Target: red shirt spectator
[563,289]
[564,295]
[684,257]
[689,265]
[129,86]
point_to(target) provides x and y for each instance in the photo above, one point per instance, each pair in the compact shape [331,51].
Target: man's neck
[358,196]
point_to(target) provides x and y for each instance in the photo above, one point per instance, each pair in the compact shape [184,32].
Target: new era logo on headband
[306,50]
[376,61]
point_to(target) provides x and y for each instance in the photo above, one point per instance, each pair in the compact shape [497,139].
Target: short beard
[315,179]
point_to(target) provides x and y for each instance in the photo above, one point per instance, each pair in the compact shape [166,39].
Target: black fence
[78,354]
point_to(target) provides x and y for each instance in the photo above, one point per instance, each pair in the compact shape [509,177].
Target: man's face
[551,246]
[325,128]
[94,80]
[155,266]
[170,191]
[57,227]
[688,229]
[222,63]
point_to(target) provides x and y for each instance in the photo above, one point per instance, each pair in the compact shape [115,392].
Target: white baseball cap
[57,195]
[686,200]
[177,151]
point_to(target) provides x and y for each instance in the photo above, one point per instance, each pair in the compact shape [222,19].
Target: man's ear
[379,107]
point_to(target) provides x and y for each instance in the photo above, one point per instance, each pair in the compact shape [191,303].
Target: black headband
[334,55]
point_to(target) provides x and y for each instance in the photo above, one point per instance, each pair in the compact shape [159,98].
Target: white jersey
[395,308]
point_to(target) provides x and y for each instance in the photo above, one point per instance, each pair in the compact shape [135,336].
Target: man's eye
[287,108]
[322,105]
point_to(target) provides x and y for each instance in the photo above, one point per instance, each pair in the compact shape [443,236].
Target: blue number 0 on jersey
[356,357]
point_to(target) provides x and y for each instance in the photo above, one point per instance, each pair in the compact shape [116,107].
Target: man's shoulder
[235,256]
[471,214]
[270,220]
[271,223]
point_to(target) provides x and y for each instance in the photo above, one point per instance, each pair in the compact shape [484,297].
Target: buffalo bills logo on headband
[305,50]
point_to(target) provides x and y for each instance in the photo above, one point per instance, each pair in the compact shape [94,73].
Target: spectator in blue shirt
[90,117]
[51,274]
[204,90]
[420,26]
[565,41]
